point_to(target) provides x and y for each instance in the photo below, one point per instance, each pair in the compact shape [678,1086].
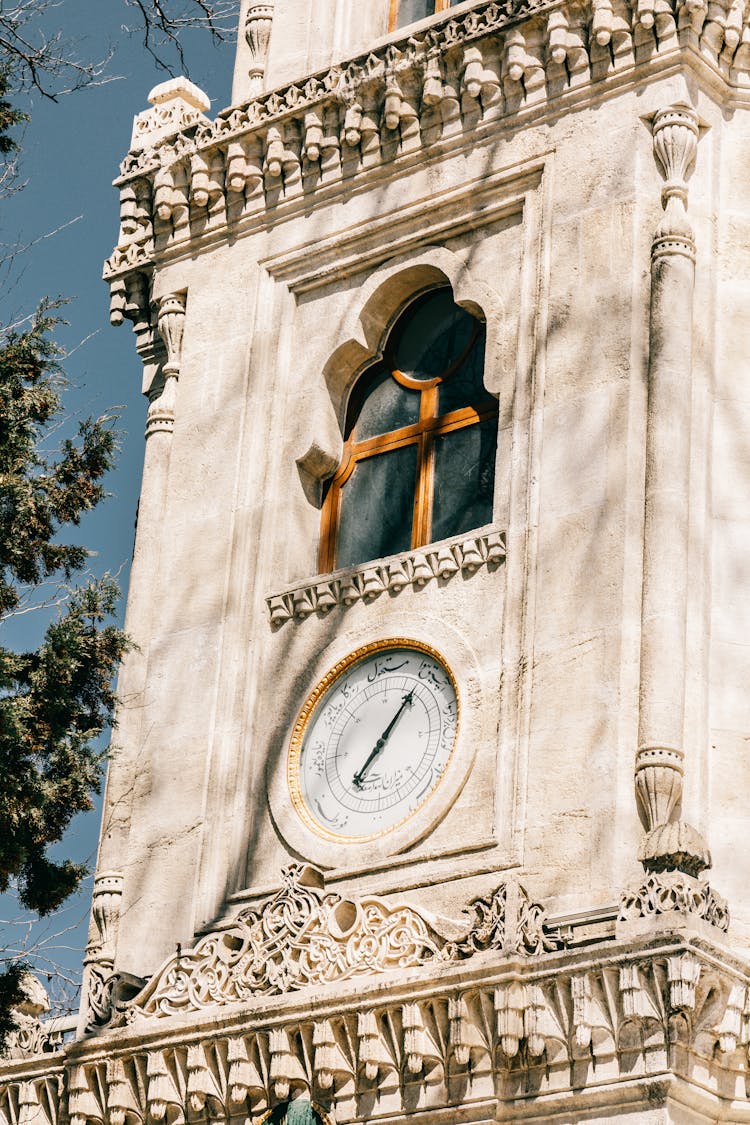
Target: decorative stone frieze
[506,920]
[301,936]
[461,555]
[570,1024]
[442,84]
[304,936]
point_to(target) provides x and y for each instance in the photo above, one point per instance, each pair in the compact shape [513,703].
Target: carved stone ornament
[100,986]
[29,1035]
[106,909]
[668,892]
[301,936]
[258,23]
[675,137]
[305,936]
[572,1029]
[176,105]
[507,920]
[171,323]
[442,83]
[460,556]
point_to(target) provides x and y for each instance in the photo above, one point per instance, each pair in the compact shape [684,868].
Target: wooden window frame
[440,6]
[422,433]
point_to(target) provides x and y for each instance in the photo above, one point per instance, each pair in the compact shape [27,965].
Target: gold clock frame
[309,707]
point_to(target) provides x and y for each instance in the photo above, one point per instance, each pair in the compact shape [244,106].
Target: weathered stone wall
[558,264]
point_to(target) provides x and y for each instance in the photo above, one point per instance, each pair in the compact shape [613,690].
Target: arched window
[403,12]
[421,437]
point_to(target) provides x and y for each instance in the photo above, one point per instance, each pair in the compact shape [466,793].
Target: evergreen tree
[56,699]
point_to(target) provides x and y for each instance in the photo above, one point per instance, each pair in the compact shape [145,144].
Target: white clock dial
[373,741]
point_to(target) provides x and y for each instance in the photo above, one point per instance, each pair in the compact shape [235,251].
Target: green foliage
[9,115]
[55,700]
[11,994]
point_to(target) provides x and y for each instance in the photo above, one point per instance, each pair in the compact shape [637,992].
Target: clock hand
[359,776]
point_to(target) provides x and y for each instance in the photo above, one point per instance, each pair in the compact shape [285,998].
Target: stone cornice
[412,97]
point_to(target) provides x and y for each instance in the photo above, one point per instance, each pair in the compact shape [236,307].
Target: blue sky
[71,153]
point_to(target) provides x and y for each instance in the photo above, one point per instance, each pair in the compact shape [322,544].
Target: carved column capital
[675,138]
[258,24]
[170,318]
[106,910]
[171,322]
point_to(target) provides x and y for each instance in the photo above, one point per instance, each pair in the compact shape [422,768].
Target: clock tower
[428,796]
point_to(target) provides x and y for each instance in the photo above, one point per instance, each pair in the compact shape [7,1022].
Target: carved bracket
[461,555]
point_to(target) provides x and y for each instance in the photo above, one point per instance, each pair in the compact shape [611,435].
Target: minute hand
[359,776]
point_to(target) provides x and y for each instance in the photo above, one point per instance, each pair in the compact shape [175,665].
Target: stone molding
[569,1024]
[441,561]
[439,85]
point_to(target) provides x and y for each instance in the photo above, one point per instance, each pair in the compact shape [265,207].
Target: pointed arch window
[403,12]
[421,439]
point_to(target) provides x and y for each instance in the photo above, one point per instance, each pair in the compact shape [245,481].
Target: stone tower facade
[436,728]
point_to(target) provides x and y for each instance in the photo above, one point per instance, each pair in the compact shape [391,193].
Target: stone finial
[176,105]
[258,24]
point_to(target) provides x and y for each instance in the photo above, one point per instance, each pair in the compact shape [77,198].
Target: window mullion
[426,473]
[329,530]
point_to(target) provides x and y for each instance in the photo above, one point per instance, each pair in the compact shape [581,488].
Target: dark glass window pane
[464,479]
[465,387]
[387,407]
[377,507]
[432,335]
[411,10]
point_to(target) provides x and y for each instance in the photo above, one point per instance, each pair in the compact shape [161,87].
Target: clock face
[373,740]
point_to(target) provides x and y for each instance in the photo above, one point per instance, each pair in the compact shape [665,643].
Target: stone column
[670,845]
[163,359]
[659,763]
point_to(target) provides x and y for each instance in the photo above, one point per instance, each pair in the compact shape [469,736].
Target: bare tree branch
[40,59]
[162,22]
